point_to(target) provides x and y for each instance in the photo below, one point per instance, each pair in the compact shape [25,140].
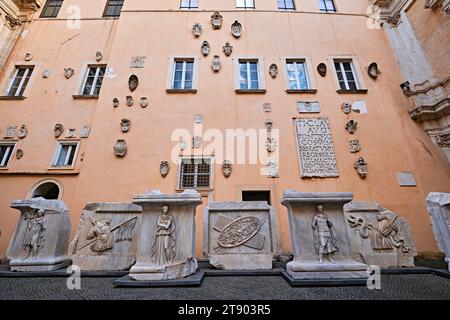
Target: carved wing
[124,232]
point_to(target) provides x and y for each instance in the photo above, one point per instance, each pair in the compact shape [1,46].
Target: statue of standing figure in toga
[325,240]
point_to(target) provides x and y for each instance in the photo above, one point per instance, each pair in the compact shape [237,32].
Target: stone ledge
[193,281]
[359,91]
[172,91]
[301,91]
[84,97]
[14,98]
[433,112]
[252,91]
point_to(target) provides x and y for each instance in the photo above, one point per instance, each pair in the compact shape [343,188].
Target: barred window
[113,8]
[195,173]
[51,8]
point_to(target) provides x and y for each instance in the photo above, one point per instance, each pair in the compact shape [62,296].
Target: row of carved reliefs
[71,133]
[216,23]
[12,131]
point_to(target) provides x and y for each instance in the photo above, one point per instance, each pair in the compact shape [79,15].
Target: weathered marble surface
[366,223]
[40,240]
[256,244]
[439,210]
[302,208]
[106,238]
[152,261]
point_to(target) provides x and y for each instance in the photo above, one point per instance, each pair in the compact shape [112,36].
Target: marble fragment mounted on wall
[236,29]
[68,72]
[205,48]
[166,244]
[227,168]
[273,70]
[216,64]
[216,20]
[227,49]
[120,148]
[379,236]
[41,238]
[439,210]
[164,168]
[10,132]
[59,129]
[133,82]
[240,235]
[85,131]
[322,69]
[106,237]
[197,29]
[315,148]
[320,238]
[137,62]
[144,102]
[308,107]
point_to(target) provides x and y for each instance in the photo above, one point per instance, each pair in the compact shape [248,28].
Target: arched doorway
[48,189]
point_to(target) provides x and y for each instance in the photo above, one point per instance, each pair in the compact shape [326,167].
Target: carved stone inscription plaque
[316,150]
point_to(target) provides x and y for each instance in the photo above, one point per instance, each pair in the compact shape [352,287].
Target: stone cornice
[390,9]
[434,112]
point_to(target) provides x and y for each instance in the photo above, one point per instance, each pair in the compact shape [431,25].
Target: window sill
[352,91]
[65,168]
[81,97]
[37,173]
[203,191]
[301,91]
[12,98]
[256,91]
[181,90]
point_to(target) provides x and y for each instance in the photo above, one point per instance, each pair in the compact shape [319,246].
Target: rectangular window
[113,8]
[245,4]
[183,74]
[5,154]
[297,76]
[51,8]
[286,4]
[65,154]
[195,173]
[94,80]
[189,4]
[20,80]
[249,75]
[346,75]
[326,6]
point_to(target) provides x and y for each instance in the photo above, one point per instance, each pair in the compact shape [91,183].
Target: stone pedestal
[41,237]
[439,210]
[379,236]
[166,245]
[240,235]
[106,238]
[329,235]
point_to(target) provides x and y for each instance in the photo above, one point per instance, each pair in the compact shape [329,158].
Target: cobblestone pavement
[419,286]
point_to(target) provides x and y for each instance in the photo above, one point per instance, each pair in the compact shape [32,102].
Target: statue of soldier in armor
[325,240]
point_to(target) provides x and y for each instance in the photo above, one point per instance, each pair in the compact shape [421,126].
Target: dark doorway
[48,190]
[256,196]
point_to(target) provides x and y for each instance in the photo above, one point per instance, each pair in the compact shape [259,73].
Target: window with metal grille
[5,154]
[65,154]
[297,77]
[195,173]
[20,80]
[51,8]
[286,4]
[245,4]
[249,75]
[346,75]
[94,80]
[113,8]
[326,6]
[189,4]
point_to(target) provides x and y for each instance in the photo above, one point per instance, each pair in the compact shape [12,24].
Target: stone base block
[194,280]
[149,272]
[104,263]
[37,265]
[312,269]
[242,262]
[323,282]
